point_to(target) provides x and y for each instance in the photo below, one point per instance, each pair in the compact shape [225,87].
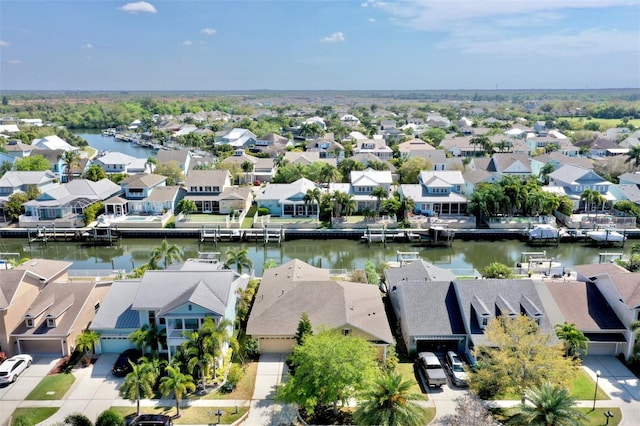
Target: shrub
[235,374]
[263,211]
[110,417]
[91,212]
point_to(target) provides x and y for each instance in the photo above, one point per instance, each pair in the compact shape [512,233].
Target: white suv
[12,367]
[455,367]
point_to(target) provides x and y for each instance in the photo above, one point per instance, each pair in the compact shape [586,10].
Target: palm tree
[139,383]
[635,327]
[177,384]
[329,173]
[574,340]
[221,337]
[390,403]
[240,258]
[380,193]
[149,336]
[634,156]
[151,163]
[548,406]
[86,341]
[166,253]
[70,159]
[311,196]
[197,351]
[247,167]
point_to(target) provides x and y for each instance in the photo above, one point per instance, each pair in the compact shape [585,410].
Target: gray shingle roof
[418,271]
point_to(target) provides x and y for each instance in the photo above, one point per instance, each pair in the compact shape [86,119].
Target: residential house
[599,147]
[630,142]
[9,128]
[459,146]
[66,203]
[583,304]
[366,159]
[540,127]
[509,164]
[362,183]
[16,181]
[557,160]
[177,301]
[574,180]
[410,147]
[438,193]
[141,185]
[53,143]
[327,148]
[54,157]
[630,179]
[117,162]
[621,289]
[629,192]
[60,312]
[17,149]
[288,199]
[616,133]
[180,157]
[77,170]
[436,120]
[306,158]
[316,120]
[211,191]
[473,178]
[289,290]
[377,147]
[350,120]
[271,144]
[238,138]
[161,200]
[244,163]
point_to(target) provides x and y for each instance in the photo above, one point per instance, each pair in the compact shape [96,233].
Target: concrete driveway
[12,395]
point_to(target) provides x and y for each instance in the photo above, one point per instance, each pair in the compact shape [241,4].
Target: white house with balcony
[438,193]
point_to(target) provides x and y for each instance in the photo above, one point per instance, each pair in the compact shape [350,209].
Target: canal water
[109,143]
[463,257]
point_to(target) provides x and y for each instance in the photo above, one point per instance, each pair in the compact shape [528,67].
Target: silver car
[455,368]
[13,367]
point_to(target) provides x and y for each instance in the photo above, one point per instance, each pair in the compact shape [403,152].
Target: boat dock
[264,235]
[87,236]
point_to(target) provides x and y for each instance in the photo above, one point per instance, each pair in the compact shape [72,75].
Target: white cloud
[334,38]
[87,46]
[138,7]
[3,43]
[208,31]
[14,61]
[187,43]
[372,19]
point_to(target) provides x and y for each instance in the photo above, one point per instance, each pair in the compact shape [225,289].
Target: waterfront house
[53,143]
[289,290]
[629,192]
[475,177]
[583,304]
[181,157]
[20,181]
[141,185]
[176,300]
[574,180]
[621,289]
[19,287]
[65,204]
[630,179]
[287,199]
[60,312]
[212,192]
[438,193]
[117,162]
[362,183]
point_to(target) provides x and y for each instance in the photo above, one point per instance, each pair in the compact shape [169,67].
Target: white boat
[606,236]
[543,232]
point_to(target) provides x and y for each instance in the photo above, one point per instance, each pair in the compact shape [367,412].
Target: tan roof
[163,193]
[296,287]
[9,282]
[45,269]
[627,283]
[143,180]
[207,178]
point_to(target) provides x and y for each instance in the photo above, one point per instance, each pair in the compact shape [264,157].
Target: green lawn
[35,415]
[406,368]
[582,388]
[218,219]
[244,389]
[190,415]
[597,418]
[605,123]
[52,387]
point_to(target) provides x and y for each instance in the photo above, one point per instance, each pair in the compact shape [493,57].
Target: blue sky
[316,45]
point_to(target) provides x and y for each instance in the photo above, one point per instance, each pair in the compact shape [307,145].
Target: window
[96,307]
[346,331]
[51,322]
[485,321]
[28,322]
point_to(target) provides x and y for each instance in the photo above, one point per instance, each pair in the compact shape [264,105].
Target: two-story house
[180,157]
[574,180]
[211,191]
[117,162]
[438,193]
[377,147]
[362,183]
[148,194]
[327,148]
[238,138]
[288,199]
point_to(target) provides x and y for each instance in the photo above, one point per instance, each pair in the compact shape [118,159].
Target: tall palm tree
[247,167]
[139,383]
[574,340]
[313,196]
[329,173]
[70,159]
[548,406]
[176,383]
[86,341]
[149,336]
[197,350]
[168,253]
[634,156]
[380,193]
[221,336]
[390,403]
[240,258]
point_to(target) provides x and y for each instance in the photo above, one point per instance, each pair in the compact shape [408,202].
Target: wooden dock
[87,236]
[264,235]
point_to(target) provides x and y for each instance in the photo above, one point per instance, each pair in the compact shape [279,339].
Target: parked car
[455,367]
[430,364]
[13,367]
[122,367]
[152,420]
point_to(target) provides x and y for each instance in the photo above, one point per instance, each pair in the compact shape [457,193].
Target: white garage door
[602,348]
[114,344]
[276,346]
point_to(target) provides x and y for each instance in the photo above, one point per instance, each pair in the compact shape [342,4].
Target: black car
[122,367]
[152,420]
